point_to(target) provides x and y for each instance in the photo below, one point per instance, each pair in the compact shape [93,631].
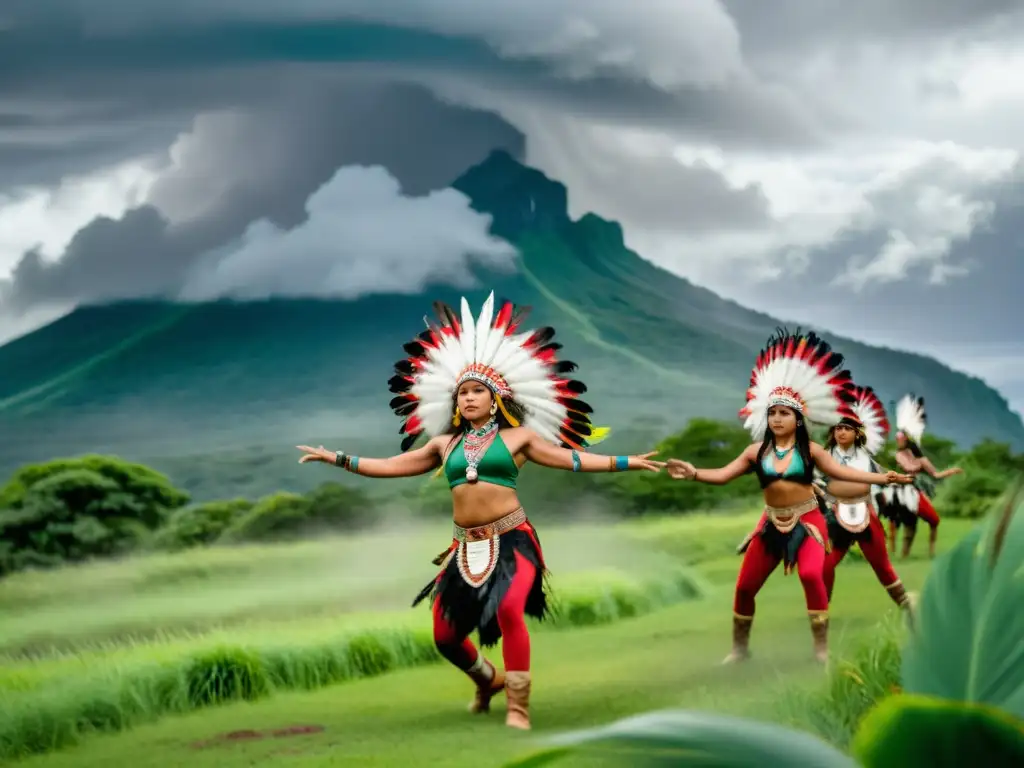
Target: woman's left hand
[316,454]
[643,462]
[895,477]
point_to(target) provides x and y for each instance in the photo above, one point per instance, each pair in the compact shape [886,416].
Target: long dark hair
[913,447]
[803,441]
[859,440]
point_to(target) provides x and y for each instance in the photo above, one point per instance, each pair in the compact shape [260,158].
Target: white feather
[910,418]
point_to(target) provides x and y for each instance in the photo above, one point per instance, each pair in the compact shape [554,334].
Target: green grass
[583,676]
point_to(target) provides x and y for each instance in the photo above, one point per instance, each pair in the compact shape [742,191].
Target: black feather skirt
[896,513]
[469,607]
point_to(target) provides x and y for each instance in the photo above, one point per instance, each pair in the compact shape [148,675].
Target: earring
[457,417]
[494,407]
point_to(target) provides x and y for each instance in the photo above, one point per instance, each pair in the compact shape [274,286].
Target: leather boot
[517,694]
[489,681]
[819,631]
[741,626]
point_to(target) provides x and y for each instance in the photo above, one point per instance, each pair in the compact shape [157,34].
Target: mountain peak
[519,198]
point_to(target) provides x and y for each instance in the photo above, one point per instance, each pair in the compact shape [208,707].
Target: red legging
[875,553]
[758,564]
[926,511]
[515,638]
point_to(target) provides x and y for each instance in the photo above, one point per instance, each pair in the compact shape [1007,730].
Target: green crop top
[497,466]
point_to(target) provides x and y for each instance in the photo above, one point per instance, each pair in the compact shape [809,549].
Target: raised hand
[315,454]
[642,462]
[681,470]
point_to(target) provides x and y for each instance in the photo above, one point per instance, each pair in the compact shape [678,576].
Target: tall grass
[41,711]
[855,684]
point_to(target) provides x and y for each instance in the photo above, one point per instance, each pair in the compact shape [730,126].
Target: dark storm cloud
[262,166]
[144,71]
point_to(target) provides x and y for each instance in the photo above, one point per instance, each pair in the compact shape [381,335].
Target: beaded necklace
[475,445]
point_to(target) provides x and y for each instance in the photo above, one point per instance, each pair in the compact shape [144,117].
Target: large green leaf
[920,730]
[697,739]
[968,644]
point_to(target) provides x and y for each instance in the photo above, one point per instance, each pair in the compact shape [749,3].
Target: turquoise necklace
[782,454]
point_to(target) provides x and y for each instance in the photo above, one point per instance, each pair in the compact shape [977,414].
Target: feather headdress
[910,417]
[491,349]
[868,415]
[800,371]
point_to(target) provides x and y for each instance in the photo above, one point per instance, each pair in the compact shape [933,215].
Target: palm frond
[968,643]
[697,739]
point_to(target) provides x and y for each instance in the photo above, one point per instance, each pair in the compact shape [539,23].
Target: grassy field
[111,644]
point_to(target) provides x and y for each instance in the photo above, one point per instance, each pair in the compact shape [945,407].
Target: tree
[75,509]
[707,444]
[283,516]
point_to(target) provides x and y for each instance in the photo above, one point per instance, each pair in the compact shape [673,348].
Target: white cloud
[47,219]
[362,236]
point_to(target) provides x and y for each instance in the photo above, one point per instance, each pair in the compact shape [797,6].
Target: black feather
[575,405]
[414,348]
[565,366]
[407,442]
[542,336]
[399,384]
[405,367]
[402,406]
[576,386]
[552,347]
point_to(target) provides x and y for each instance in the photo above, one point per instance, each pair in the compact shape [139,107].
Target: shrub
[200,524]
[284,516]
[76,509]
[58,715]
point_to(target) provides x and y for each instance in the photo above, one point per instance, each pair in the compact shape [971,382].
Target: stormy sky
[853,165]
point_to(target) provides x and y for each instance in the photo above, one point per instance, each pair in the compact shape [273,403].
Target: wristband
[621,463]
[353,465]
[339,458]
[576,463]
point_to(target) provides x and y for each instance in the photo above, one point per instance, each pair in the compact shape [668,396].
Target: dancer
[903,506]
[489,397]
[797,378]
[851,516]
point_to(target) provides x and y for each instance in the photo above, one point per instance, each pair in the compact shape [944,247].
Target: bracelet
[353,465]
[576,463]
[621,463]
[339,458]
[611,463]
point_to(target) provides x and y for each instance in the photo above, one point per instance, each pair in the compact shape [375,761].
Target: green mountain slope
[233,386]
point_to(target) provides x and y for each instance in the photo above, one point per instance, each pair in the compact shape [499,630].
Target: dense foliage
[70,510]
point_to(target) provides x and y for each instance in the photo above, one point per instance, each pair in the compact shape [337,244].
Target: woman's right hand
[315,454]
[680,470]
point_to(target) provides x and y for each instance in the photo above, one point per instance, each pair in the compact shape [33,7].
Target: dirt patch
[296,730]
[251,735]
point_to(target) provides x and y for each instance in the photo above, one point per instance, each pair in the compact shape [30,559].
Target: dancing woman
[489,397]
[903,506]
[850,513]
[797,378]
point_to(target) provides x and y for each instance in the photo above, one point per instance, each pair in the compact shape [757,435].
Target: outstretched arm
[410,464]
[540,451]
[684,470]
[928,467]
[833,468]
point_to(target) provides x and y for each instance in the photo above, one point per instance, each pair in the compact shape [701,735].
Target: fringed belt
[509,522]
[785,519]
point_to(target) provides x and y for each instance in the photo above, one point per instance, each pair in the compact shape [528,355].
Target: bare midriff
[482,503]
[845,489]
[785,493]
